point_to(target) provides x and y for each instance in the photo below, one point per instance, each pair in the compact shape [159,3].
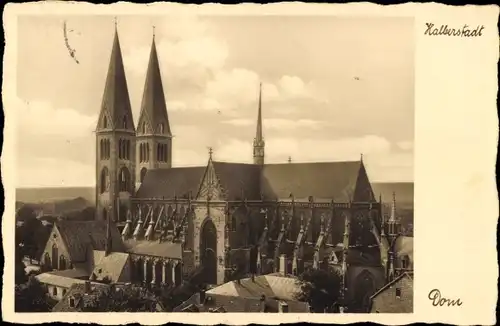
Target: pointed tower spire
[153,118]
[116,111]
[258,143]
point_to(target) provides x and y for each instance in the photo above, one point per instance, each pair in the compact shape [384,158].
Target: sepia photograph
[214,163]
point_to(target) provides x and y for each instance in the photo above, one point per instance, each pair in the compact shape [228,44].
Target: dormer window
[105,122]
[124,122]
[161,128]
[144,127]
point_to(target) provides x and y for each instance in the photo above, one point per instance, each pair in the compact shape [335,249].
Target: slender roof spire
[116,101]
[153,106]
[393,208]
[258,134]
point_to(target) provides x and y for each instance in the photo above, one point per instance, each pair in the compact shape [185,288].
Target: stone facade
[395,297]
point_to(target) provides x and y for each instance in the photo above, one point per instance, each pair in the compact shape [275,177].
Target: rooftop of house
[82,297]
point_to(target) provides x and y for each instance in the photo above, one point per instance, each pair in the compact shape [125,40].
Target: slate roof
[79,235]
[172,182]
[82,299]
[110,266]
[338,180]
[164,249]
[274,181]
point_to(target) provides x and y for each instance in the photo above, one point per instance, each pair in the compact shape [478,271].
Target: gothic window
[158,152]
[120,149]
[104,150]
[104,186]
[54,256]
[124,122]
[127,149]
[124,179]
[144,127]
[147,152]
[143,174]
[105,122]
[161,128]
[233,223]
[140,153]
[62,263]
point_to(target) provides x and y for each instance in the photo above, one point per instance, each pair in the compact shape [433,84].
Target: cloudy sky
[333,88]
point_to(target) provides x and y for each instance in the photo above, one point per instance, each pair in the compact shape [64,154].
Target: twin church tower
[125,153]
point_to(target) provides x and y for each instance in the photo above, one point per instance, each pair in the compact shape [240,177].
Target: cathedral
[224,221]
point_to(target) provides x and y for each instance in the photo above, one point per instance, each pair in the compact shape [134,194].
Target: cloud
[40,118]
[277,124]
[405,145]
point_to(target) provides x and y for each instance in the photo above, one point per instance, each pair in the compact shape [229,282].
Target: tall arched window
[55,255]
[120,149]
[144,127]
[147,152]
[62,263]
[127,149]
[124,179]
[143,174]
[105,122]
[104,184]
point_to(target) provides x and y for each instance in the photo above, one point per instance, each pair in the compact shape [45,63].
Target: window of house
[54,290]
[72,302]
[398,293]
[63,292]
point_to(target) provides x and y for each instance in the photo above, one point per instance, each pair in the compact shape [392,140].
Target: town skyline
[211,86]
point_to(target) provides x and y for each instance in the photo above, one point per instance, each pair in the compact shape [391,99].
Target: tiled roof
[154,248]
[394,281]
[110,266]
[57,280]
[79,235]
[82,300]
[72,273]
[283,288]
[338,180]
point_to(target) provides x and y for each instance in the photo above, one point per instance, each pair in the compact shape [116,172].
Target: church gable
[55,245]
[105,122]
[363,190]
[210,186]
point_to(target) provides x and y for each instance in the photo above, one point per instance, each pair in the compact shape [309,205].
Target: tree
[130,299]
[320,288]
[32,297]
[32,235]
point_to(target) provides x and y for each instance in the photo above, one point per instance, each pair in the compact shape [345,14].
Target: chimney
[283,306]
[282,267]
[87,287]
